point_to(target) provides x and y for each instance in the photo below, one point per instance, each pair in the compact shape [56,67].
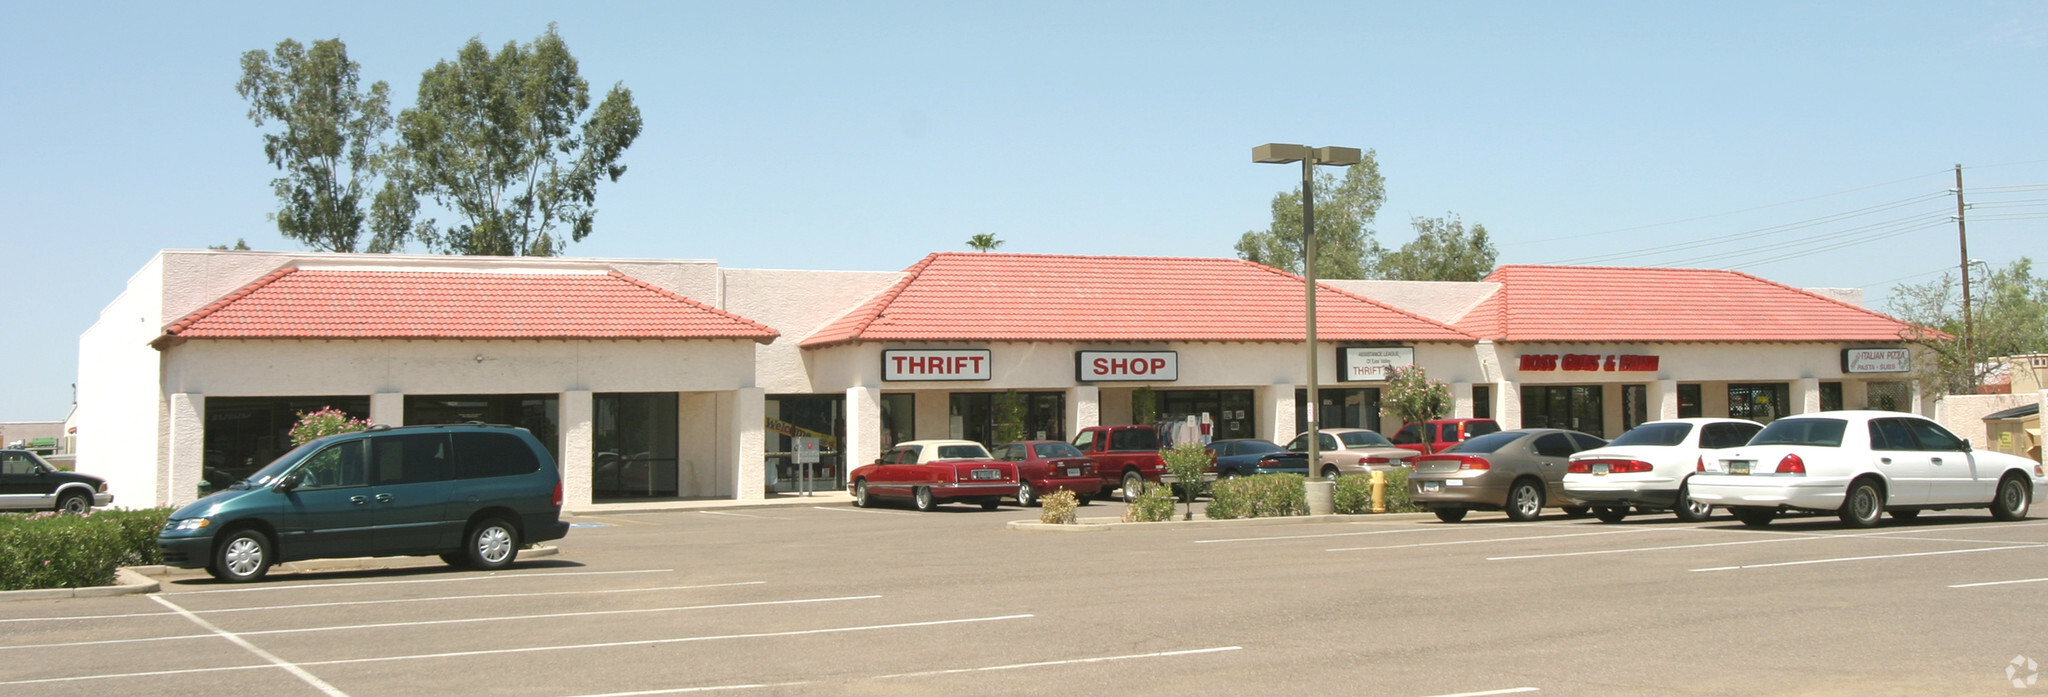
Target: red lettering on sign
[1158,364]
[1539,362]
[1581,362]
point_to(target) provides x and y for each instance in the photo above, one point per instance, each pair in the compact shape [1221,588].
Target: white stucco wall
[797,304]
[232,367]
[119,405]
[1050,366]
[1964,414]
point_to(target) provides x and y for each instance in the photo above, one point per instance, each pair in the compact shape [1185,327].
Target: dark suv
[470,493]
[27,483]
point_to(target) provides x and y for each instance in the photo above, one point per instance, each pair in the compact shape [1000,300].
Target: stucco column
[577,412]
[1663,396]
[387,408]
[1084,408]
[1917,406]
[750,442]
[1510,413]
[1276,407]
[1806,394]
[1461,400]
[186,458]
[863,426]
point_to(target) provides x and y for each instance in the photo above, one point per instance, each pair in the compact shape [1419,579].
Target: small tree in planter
[1188,462]
[325,422]
[1411,396]
[1009,408]
[1144,406]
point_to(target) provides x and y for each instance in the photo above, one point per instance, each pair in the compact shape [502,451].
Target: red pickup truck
[1124,456]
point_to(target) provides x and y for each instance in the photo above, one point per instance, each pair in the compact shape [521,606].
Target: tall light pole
[1320,494]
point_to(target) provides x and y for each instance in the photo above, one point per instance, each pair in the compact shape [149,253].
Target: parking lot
[832,599]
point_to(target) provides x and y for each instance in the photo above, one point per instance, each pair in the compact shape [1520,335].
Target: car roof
[1700,420]
[1854,415]
[938,442]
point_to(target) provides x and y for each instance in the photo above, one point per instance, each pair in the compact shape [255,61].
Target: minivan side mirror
[287,484]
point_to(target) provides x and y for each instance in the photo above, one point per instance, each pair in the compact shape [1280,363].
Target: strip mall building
[655,379]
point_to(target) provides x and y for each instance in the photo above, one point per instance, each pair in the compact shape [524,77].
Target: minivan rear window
[492,455]
[1821,432]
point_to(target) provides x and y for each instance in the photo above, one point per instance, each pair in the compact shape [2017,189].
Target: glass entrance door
[811,416]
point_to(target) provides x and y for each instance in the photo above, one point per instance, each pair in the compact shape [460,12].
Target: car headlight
[193,523]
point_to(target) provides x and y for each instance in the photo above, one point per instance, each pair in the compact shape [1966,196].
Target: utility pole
[1969,328]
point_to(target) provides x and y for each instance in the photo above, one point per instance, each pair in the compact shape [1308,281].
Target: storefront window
[1575,407]
[634,447]
[537,413]
[1482,401]
[973,415]
[811,416]
[1830,396]
[1689,401]
[899,419]
[1635,406]
[1341,408]
[1762,402]
[1889,396]
[1230,411]
[245,433]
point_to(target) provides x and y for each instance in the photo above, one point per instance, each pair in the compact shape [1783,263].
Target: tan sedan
[1515,471]
[1352,451]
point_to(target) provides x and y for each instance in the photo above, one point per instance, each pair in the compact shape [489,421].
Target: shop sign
[1588,363]
[927,365]
[1125,366]
[1876,360]
[1371,363]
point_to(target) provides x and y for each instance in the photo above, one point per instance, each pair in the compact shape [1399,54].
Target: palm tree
[984,242]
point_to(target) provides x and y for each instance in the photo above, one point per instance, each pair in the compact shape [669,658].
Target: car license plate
[988,474]
[1600,468]
[1432,486]
[1738,466]
[1073,471]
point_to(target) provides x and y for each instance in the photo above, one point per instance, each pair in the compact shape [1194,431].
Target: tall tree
[496,140]
[1345,210]
[329,138]
[2008,313]
[984,242]
[1443,250]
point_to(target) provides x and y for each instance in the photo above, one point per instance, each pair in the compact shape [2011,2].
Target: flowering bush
[325,422]
[1057,508]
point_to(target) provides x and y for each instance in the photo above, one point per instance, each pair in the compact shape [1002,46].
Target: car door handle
[1885,460]
[383,498]
[358,500]
[1936,460]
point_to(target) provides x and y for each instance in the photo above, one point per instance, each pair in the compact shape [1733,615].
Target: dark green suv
[470,493]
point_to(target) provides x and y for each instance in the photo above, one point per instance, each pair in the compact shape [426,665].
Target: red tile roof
[1593,303]
[293,303]
[968,296]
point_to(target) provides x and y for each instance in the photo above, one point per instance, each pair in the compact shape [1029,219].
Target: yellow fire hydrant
[1379,491]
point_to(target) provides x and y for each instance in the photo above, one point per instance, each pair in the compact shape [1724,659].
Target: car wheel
[1525,501]
[74,503]
[491,545]
[923,499]
[1449,515]
[1863,507]
[860,494]
[1134,484]
[244,556]
[1754,516]
[990,505]
[1577,511]
[1611,514]
[1330,473]
[1232,474]
[1905,516]
[1083,500]
[2014,498]
[1026,497]
[1689,510]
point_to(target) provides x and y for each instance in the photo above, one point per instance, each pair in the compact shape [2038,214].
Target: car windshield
[1822,432]
[1665,435]
[1047,450]
[269,474]
[962,452]
[1363,439]
[1257,447]
[1486,443]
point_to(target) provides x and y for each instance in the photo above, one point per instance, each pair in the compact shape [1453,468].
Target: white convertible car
[1860,464]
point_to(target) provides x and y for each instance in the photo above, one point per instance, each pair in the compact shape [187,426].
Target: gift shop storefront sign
[1588,363]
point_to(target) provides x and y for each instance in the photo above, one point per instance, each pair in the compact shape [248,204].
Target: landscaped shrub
[1057,508]
[138,532]
[1261,496]
[1354,493]
[1154,504]
[1398,499]
[47,550]
[1187,462]
[325,422]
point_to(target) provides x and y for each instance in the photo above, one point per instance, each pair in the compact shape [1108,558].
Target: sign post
[805,454]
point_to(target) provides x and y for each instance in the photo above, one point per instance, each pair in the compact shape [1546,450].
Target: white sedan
[1860,464]
[1648,466]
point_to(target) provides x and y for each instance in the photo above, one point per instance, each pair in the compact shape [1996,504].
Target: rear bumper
[1596,491]
[1078,485]
[961,491]
[1821,494]
[1457,491]
[545,530]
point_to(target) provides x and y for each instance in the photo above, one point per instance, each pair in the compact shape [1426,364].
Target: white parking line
[1491,539]
[1071,661]
[1877,556]
[862,510]
[708,688]
[296,671]
[529,649]
[458,579]
[461,620]
[1998,583]
[299,606]
[741,515]
[1433,528]
[1509,691]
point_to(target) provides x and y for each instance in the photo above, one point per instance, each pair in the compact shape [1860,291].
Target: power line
[1735,212]
[1759,232]
[1830,243]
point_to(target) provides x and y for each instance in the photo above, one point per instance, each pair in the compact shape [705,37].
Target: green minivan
[471,493]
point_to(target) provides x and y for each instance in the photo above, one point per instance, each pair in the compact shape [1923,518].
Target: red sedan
[930,472]
[1045,466]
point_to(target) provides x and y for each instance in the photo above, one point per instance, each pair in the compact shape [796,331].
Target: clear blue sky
[865,135]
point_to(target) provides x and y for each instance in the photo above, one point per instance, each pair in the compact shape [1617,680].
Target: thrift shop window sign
[1876,360]
[1588,363]
[930,365]
[1126,366]
[1371,363]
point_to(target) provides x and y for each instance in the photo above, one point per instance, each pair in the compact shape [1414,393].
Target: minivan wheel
[492,545]
[74,503]
[1863,507]
[243,557]
[1525,501]
[2014,498]
[1450,515]
[923,499]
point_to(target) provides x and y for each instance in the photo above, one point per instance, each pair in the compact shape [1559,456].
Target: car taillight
[1613,466]
[1700,465]
[1376,460]
[558,494]
[1792,465]
[1580,467]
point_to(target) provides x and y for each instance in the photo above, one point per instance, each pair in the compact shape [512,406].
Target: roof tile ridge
[1369,301]
[1811,294]
[771,331]
[874,306]
[1098,257]
[222,302]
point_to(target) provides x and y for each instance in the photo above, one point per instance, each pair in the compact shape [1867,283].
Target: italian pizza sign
[1876,360]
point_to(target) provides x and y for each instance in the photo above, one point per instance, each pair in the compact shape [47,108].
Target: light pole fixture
[1280,154]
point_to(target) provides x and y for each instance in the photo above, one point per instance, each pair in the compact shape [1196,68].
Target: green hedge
[1259,496]
[47,550]
[1354,493]
[1154,504]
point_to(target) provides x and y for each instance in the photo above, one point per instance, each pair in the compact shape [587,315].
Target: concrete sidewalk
[829,497]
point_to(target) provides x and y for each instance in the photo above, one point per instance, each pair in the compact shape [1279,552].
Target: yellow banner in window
[825,440]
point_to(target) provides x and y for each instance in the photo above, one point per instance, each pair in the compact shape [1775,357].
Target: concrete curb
[130,580]
[1106,524]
